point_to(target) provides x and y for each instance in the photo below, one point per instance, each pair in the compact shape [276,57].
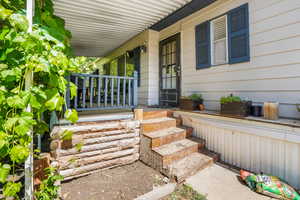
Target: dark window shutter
[137,63]
[203,45]
[238,35]
[106,69]
[121,66]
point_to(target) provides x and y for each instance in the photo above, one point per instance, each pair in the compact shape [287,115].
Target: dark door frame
[177,38]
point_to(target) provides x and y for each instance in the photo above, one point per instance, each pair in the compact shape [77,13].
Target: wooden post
[28,84]
[138,114]
[135,88]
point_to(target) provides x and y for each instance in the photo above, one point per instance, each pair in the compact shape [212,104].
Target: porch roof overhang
[100,26]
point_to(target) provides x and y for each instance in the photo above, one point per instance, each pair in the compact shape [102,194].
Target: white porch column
[28,83]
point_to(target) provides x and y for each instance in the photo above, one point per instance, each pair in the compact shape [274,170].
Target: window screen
[219,41]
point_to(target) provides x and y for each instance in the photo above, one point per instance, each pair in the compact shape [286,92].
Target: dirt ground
[121,183]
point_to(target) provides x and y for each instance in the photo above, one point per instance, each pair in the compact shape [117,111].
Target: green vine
[46,53]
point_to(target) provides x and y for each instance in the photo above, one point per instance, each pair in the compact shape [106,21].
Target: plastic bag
[268,185]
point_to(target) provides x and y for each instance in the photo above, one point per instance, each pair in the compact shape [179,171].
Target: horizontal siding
[250,148]
[148,90]
[273,73]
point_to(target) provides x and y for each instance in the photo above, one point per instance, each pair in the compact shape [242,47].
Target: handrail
[102,92]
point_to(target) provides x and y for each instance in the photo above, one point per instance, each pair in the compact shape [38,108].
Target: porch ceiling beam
[181,13]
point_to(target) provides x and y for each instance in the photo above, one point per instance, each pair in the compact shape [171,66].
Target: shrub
[230,99]
[193,97]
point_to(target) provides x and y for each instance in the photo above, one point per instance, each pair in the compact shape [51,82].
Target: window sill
[220,65]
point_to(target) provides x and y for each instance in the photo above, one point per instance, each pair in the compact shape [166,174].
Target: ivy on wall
[46,52]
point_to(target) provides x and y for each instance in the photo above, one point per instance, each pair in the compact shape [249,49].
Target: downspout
[28,83]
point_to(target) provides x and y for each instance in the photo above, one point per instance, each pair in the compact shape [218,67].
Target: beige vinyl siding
[273,73]
[148,90]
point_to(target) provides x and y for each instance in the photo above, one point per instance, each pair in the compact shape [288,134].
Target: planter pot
[241,109]
[271,110]
[188,104]
[201,107]
[256,111]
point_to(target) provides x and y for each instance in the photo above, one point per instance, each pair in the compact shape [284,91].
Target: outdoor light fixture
[143,48]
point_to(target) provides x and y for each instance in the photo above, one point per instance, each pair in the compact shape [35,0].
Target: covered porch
[140,68]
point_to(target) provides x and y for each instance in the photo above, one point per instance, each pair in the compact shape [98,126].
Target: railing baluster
[105,92]
[124,91]
[129,92]
[135,88]
[84,91]
[118,92]
[112,91]
[77,93]
[99,91]
[91,92]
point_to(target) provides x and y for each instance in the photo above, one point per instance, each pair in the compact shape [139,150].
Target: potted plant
[234,105]
[191,102]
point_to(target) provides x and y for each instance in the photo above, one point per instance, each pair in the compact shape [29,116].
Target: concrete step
[155,114]
[166,136]
[157,124]
[188,166]
[176,151]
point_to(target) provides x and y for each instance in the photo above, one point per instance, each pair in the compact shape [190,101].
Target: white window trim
[212,40]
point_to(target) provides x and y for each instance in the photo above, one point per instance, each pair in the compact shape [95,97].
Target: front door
[170,71]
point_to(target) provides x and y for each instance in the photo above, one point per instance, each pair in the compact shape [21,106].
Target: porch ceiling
[99,26]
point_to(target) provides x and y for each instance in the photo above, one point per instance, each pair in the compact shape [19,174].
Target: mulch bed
[121,183]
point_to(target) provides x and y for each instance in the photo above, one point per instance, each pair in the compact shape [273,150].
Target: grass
[185,192]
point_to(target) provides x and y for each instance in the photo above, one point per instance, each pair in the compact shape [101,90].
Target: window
[124,65]
[219,41]
[223,40]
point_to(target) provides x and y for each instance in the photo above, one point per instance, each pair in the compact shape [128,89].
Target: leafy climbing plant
[45,52]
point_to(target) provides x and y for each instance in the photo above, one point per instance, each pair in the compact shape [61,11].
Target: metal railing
[102,92]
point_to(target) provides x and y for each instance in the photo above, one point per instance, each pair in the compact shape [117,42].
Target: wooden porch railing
[101,92]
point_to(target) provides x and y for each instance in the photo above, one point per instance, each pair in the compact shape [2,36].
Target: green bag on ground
[269,185]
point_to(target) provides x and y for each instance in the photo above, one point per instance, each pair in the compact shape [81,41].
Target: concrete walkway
[219,183]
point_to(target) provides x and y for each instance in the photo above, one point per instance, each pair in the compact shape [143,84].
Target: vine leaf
[4,13]
[55,103]
[4,172]
[11,189]
[41,127]
[34,102]
[10,123]
[16,102]
[3,148]
[71,115]
[73,90]
[19,21]
[67,135]
[19,154]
